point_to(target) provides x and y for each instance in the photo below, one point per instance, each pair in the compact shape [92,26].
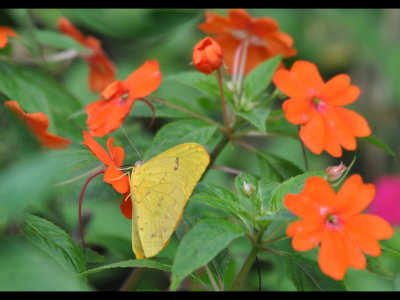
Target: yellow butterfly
[159,190]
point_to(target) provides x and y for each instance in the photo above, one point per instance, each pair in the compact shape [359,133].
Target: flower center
[332,220]
[318,104]
[244,34]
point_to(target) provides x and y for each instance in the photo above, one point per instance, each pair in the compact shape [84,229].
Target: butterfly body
[160,189]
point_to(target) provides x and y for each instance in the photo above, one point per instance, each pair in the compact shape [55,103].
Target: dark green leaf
[291,186]
[260,78]
[55,242]
[306,276]
[25,267]
[179,132]
[206,239]
[380,144]
[276,124]
[132,263]
[275,168]
[396,282]
[374,265]
[218,197]
[246,188]
[257,117]
[265,191]
[93,256]
[219,264]
[37,92]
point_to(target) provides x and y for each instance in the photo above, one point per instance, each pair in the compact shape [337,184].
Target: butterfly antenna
[80,206]
[130,142]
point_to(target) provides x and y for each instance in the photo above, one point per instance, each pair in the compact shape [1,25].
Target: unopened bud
[207,55]
[333,173]
[248,188]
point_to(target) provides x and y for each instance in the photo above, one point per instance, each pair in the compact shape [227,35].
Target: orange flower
[263,35]
[317,107]
[113,160]
[5,32]
[207,55]
[126,205]
[334,221]
[107,115]
[101,69]
[38,123]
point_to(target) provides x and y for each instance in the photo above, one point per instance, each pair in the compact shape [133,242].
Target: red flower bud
[333,173]
[207,55]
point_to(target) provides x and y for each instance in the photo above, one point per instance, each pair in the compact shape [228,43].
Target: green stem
[132,279]
[245,269]
[223,104]
[303,150]
[189,112]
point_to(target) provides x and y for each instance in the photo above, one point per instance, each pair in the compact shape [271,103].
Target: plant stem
[212,279]
[245,269]
[189,112]
[223,104]
[132,279]
[303,150]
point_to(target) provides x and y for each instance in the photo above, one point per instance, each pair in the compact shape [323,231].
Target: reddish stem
[152,110]
[80,205]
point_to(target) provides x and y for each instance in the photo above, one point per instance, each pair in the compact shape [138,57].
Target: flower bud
[248,188]
[207,55]
[333,173]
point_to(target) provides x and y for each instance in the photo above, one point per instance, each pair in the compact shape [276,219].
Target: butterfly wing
[160,189]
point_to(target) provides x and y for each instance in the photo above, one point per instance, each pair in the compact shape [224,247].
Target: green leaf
[92,256]
[396,282]
[306,276]
[378,143]
[59,41]
[260,78]
[218,197]
[257,117]
[38,92]
[374,265]
[265,191]
[276,124]
[131,263]
[28,183]
[219,264]
[203,242]
[179,132]
[291,186]
[25,267]
[246,188]
[275,168]
[55,242]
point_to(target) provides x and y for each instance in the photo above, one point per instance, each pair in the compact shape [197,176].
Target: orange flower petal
[280,43]
[339,129]
[215,24]
[116,153]
[101,72]
[343,97]
[117,179]
[312,134]
[334,86]
[306,234]
[354,257]
[239,19]
[66,27]
[96,149]
[264,26]
[145,80]
[332,256]
[52,141]
[331,145]
[255,56]
[354,196]
[308,74]
[207,55]
[289,84]
[115,89]
[5,32]
[361,239]
[378,228]
[319,191]
[105,116]
[298,110]
[301,206]
[126,205]
[356,124]
[228,45]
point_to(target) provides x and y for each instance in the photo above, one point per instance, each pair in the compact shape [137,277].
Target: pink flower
[387,200]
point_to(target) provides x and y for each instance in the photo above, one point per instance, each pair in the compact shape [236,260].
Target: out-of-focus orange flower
[263,35]
[317,107]
[38,123]
[126,205]
[207,55]
[108,114]
[5,32]
[334,221]
[113,160]
[101,69]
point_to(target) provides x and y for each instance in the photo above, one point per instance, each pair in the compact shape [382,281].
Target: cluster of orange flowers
[331,220]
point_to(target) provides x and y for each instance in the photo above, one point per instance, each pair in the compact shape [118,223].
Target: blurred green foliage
[364,43]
